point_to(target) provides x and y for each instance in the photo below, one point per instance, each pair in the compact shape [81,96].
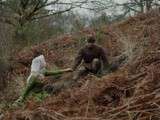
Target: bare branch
[7,21]
[54,13]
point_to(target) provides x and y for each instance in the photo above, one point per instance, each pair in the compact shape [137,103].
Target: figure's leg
[30,85]
[96,66]
[82,71]
[28,79]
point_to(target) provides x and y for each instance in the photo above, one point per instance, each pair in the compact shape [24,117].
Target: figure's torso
[89,53]
[38,64]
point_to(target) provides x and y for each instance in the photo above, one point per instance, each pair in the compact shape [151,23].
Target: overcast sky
[93,14]
[109,11]
[120,1]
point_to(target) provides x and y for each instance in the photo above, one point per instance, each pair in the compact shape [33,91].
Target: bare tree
[23,11]
[99,5]
[140,5]
[128,7]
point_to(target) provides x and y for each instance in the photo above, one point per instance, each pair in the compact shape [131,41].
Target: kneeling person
[91,57]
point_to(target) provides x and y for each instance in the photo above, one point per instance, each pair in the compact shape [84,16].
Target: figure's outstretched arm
[78,60]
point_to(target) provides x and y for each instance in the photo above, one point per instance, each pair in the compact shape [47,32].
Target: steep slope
[132,92]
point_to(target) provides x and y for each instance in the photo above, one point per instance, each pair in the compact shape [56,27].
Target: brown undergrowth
[130,93]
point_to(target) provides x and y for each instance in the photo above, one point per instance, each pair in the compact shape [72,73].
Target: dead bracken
[130,93]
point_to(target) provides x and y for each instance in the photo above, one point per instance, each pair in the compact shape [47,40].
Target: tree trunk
[142,6]
[148,4]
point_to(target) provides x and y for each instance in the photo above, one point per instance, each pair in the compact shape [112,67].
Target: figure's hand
[69,69]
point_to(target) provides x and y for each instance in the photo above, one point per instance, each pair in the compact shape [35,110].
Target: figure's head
[37,53]
[91,40]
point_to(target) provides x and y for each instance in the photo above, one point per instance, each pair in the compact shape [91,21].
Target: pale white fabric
[37,67]
[38,64]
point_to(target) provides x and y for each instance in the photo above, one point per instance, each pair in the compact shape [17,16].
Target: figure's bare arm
[78,59]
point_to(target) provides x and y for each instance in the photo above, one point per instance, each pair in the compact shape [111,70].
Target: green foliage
[33,33]
[39,97]
[29,30]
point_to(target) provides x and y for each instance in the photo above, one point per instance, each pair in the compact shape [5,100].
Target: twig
[136,116]
[56,113]
[137,76]
[84,118]
[89,97]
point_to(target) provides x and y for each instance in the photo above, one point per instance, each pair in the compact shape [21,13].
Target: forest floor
[132,92]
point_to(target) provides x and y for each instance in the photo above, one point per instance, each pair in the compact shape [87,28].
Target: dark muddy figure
[90,59]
